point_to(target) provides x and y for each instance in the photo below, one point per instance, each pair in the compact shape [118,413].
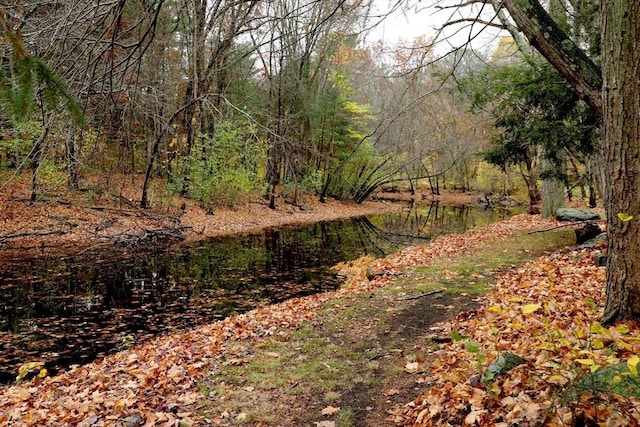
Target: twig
[426,294]
[292,387]
[32,234]
[563,225]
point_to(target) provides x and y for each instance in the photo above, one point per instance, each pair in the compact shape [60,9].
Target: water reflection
[73,310]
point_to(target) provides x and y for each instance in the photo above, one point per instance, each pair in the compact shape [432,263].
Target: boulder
[575,215]
[589,231]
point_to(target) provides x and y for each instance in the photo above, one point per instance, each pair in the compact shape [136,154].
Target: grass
[348,357]
[473,273]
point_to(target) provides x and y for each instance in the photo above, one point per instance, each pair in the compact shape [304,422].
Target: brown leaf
[392,392]
[330,410]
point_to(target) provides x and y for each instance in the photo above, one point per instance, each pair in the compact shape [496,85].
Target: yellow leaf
[597,344]
[495,309]
[624,217]
[25,368]
[515,299]
[530,308]
[624,345]
[587,362]
[546,346]
[622,329]
[552,284]
[632,364]
[557,379]
[597,328]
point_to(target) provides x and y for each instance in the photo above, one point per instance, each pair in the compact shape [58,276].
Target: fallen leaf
[330,410]
[632,364]
[411,367]
[530,308]
[392,392]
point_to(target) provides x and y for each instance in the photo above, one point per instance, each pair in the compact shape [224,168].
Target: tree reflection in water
[73,310]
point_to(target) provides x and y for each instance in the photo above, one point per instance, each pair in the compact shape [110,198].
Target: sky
[404,26]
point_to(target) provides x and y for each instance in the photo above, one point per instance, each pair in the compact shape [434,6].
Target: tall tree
[621,115]
[613,92]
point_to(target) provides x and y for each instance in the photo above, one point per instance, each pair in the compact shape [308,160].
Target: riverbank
[351,357]
[97,218]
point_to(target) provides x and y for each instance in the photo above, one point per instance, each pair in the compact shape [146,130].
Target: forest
[221,101]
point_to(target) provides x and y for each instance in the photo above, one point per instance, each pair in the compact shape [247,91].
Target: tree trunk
[621,56]
[552,197]
[552,192]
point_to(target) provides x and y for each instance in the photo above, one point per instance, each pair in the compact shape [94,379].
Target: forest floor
[415,338]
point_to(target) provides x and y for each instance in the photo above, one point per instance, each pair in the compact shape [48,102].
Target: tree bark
[621,56]
[552,192]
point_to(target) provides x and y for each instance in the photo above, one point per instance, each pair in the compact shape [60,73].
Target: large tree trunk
[619,108]
[621,56]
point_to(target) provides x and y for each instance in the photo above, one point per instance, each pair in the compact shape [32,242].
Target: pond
[72,310]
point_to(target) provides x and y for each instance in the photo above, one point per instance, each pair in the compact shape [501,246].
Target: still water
[70,311]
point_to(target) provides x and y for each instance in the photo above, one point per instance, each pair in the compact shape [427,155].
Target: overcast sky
[408,24]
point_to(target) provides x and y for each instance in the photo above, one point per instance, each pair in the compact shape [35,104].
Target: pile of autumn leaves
[545,312]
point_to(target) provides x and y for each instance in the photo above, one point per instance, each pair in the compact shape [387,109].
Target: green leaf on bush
[613,379]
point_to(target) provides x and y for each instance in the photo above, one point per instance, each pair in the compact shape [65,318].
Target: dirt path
[397,337]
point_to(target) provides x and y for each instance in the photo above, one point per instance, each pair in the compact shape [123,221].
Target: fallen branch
[426,294]
[32,234]
[563,225]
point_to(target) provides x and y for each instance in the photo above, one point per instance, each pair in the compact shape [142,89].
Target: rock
[599,240]
[587,232]
[575,215]
[600,260]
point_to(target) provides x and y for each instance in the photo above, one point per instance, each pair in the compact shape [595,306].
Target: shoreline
[73,225]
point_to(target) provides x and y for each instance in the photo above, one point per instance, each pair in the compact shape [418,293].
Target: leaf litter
[545,312]
[159,382]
